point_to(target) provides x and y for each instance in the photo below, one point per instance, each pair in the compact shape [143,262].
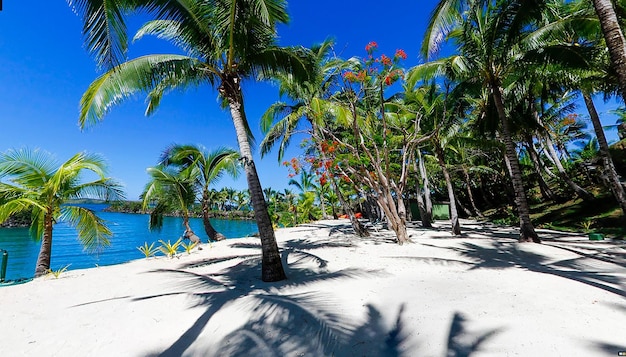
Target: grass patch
[600,215]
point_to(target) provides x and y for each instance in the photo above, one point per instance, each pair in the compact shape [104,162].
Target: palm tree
[170,189]
[281,120]
[242,199]
[435,109]
[614,37]
[225,41]
[32,180]
[495,38]
[206,168]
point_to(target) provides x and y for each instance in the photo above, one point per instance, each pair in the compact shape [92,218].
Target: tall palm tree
[496,39]
[614,37]
[32,180]
[206,168]
[225,41]
[436,110]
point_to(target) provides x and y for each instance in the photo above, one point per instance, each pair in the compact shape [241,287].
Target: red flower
[400,54]
[371,46]
[350,76]
[385,60]
[323,179]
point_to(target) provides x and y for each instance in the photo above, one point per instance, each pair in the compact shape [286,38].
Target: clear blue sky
[44,70]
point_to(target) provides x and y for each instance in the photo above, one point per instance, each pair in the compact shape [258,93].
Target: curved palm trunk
[45,252]
[271,267]
[527,230]
[454,214]
[580,192]
[189,233]
[208,227]
[616,187]
[545,190]
[614,38]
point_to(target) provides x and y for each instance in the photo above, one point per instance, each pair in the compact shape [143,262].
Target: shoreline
[483,292]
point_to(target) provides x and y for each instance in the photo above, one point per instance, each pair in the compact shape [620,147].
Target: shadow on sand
[583,269]
[280,322]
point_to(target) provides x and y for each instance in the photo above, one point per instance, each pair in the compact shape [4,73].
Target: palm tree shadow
[238,287]
[499,255]
[303,338]
[611,349]
[460,342]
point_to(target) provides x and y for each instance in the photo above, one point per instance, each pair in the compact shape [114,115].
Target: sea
[130,231]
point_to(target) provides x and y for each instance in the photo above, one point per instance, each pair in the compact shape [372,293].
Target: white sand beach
[482,294]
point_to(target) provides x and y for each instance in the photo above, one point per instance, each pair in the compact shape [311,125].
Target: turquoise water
[129,232]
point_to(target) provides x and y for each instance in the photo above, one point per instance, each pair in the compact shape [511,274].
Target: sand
[482,294]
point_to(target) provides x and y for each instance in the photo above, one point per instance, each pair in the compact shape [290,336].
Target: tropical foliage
[33,180]
[224,41]
[491,126]
[498,114]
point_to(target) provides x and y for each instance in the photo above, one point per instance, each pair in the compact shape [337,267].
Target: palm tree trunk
[45,252]
[527,230]
[484,195]
[614,38]
[271,267]
[470,194]
[580,192]
[454,214]
[208,227]
[545,190]
[426,207]
[616,187]
[322,203]
[189,233]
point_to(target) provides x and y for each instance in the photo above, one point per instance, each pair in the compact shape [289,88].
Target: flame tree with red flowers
[378,136]
[309,101]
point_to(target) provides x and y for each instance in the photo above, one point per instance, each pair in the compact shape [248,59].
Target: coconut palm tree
[614,37]
[224,41]
[242,199]
[206,167]
[496,39]
[32,180]
[170,189]
[308,98]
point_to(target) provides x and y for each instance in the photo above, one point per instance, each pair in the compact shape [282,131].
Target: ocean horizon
[130,231]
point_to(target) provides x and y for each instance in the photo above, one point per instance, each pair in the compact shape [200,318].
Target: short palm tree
[206,168]
[32,180]
[225,41]
[170,189]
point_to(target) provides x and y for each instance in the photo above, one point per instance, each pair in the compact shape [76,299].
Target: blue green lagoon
[129,232]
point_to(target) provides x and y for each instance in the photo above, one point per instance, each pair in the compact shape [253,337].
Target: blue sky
[44,70]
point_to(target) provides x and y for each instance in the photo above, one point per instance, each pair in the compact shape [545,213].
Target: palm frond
[92,230]
[444,17]
[150,74]
[104,29]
